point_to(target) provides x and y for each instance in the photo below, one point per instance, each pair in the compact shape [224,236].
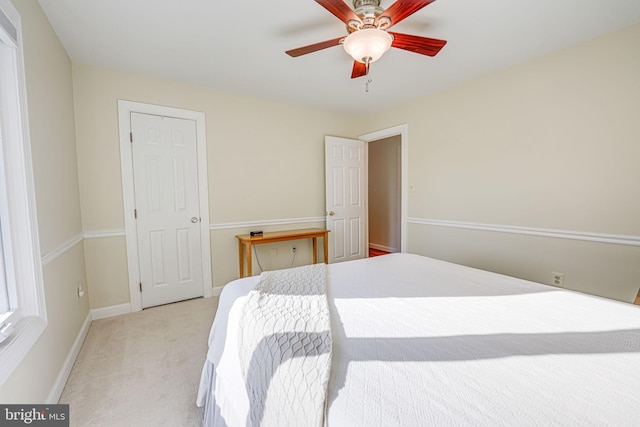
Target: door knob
[332,213]
[194,219]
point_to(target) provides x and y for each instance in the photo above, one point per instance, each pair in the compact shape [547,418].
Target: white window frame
[21,248]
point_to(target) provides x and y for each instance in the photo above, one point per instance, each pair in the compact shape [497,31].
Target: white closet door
[166,197]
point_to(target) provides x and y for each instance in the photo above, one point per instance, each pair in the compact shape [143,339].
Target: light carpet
[142,369]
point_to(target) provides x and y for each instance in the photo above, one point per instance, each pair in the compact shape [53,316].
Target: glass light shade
[367,45]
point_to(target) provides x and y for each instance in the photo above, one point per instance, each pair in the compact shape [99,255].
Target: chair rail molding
[246,224]
[100,234]
[97,234]
[616,239]
[59,251]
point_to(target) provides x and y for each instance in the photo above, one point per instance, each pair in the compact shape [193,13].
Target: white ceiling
[239,47]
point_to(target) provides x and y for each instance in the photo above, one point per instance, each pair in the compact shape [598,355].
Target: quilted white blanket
[285,347]
[421,342]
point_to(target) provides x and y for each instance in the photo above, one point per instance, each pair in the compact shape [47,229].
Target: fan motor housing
[359,3]
[367,11]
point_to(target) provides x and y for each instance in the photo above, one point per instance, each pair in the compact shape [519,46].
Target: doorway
[346,193]
[384,191]
[387,177]
[165,199]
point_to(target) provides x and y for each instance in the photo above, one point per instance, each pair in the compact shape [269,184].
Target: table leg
[241,258]
[249,273]
[315,247]
[326,248]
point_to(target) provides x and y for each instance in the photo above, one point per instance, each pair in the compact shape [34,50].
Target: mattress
[422,342]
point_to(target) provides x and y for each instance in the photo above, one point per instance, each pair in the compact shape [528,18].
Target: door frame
[403,132]
[125,108]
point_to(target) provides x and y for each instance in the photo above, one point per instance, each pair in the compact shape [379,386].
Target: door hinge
[140,286]
[130,136]
[135,213]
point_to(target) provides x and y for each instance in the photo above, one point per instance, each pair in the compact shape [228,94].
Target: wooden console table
[246,241]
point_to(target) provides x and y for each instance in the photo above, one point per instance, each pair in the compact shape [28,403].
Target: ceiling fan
[368,38]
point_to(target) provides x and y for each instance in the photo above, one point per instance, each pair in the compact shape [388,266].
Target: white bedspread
[421,342]
[285,347]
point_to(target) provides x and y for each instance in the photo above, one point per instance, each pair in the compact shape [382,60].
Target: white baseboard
[63,375]
[216,291]
[114,310]
[382,248]
[208,292]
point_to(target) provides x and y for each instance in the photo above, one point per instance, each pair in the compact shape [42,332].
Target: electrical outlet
[294,249]
[558,280]
[79,289]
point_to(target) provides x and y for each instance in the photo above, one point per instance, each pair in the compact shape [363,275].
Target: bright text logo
[34,415]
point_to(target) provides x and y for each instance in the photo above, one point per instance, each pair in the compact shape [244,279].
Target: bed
[423,342]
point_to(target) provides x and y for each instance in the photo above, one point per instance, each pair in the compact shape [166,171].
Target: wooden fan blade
[403,8]
[359,70]
[417,44]
[340,9]
[313,47]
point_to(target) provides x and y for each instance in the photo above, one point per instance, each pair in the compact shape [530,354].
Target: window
[8,299]
[22,308]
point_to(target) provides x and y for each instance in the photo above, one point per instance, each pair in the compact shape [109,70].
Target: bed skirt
[206,398]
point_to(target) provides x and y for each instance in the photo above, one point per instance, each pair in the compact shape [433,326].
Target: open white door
[345,198]
[165,172]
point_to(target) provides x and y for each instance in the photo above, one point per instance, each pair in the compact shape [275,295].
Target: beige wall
[51,118]
[106,260]
[34,379]
[551,144]
[51,124]
[266,162]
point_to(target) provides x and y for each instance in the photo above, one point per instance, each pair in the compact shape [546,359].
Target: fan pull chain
[366,85]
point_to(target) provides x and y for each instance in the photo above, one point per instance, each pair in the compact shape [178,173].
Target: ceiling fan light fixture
[367,45]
